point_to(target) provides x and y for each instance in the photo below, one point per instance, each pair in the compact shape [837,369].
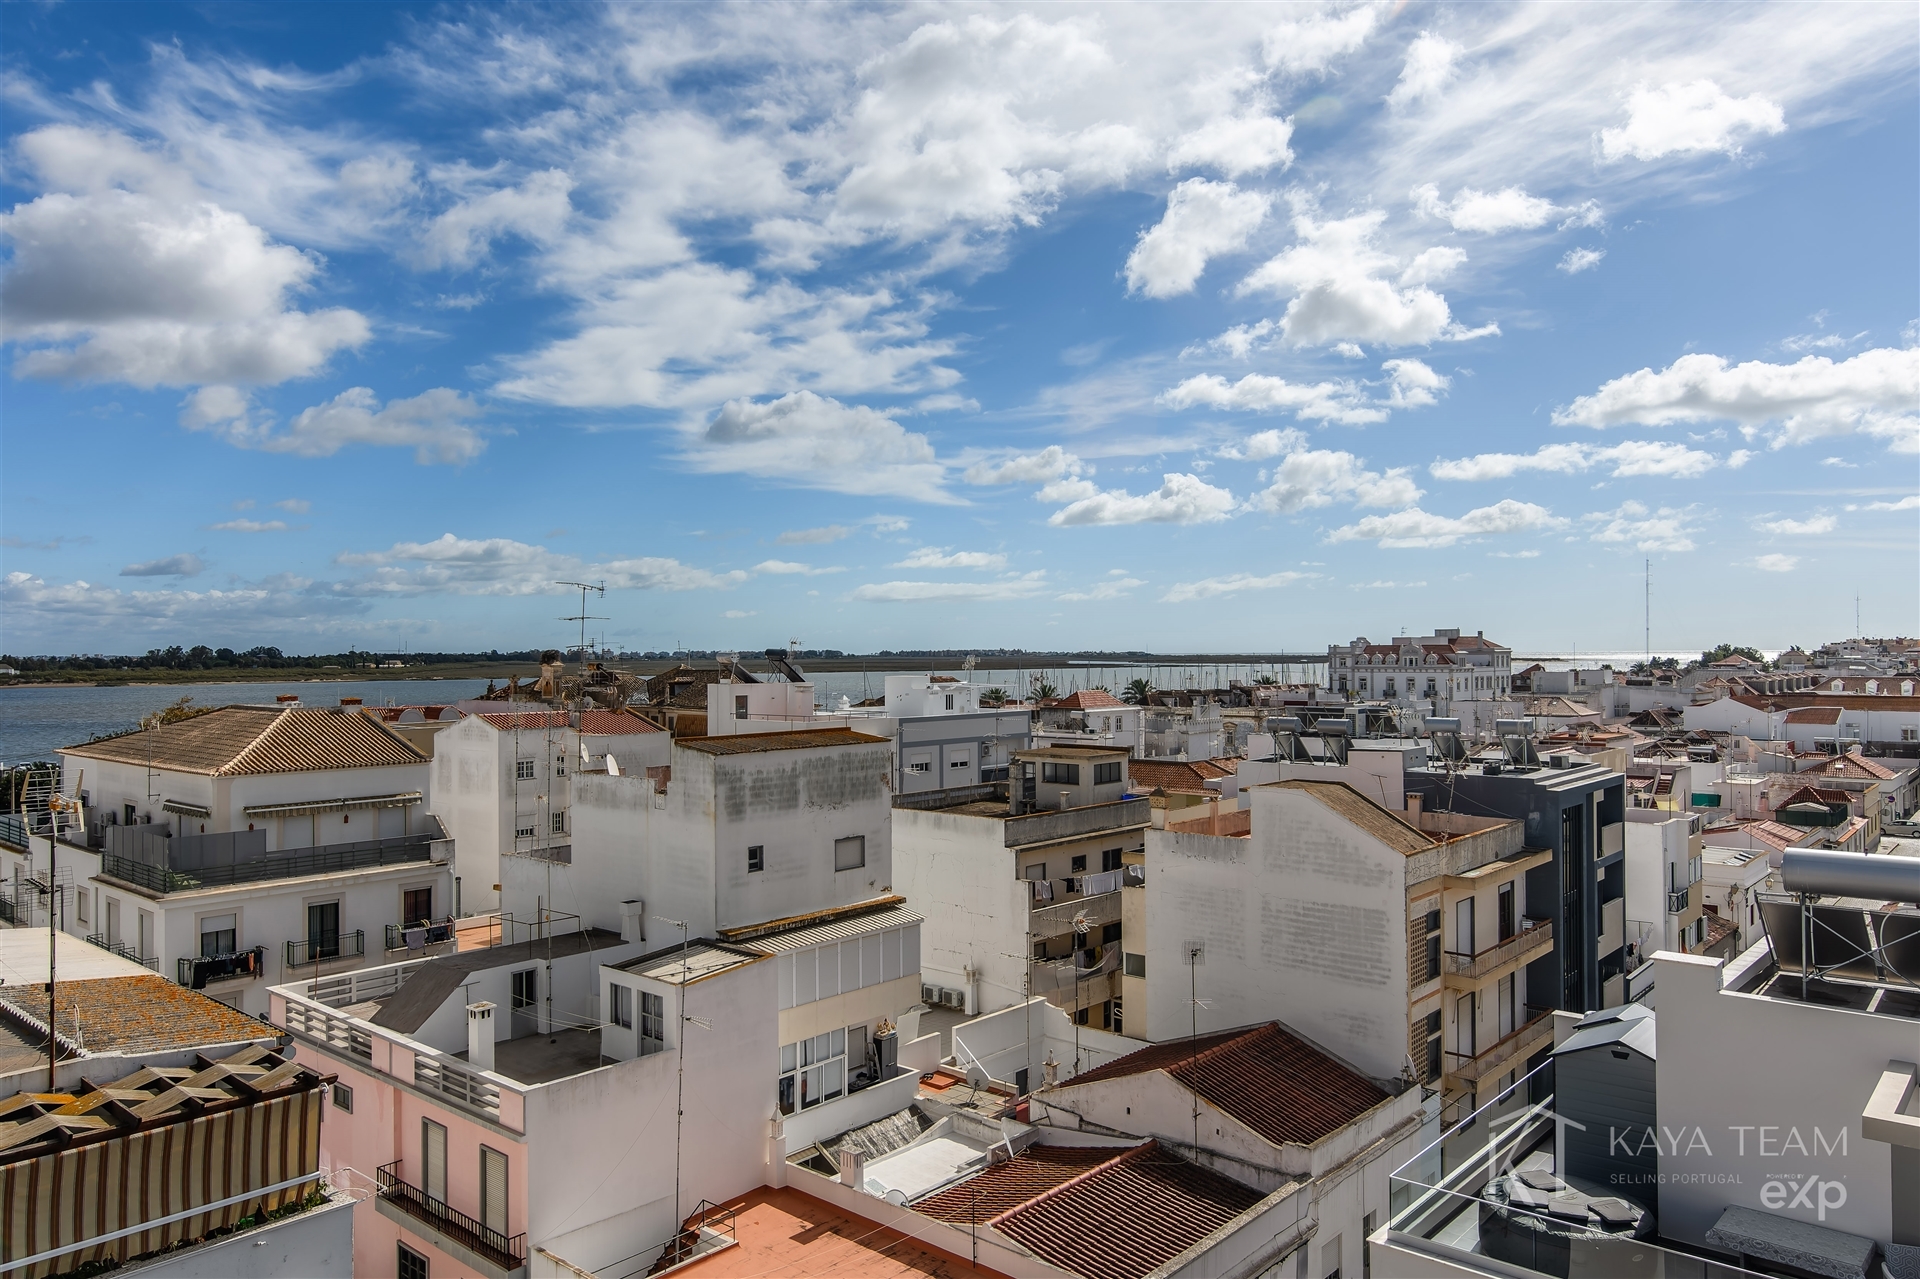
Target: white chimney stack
[480,1035]
[633,926]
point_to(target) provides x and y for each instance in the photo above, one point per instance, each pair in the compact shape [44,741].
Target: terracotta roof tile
[615,723]
[1274,1082]
[1383,825]
[1852,766]
[1005,1186]
[1091,699]
[134,1014]
[1814,715]
[237,741]
[755,743]
[508,721]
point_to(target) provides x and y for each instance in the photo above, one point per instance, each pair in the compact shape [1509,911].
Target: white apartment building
[1092,717]
[1446,674]
[503,783]
[1730,880]
[1666,889]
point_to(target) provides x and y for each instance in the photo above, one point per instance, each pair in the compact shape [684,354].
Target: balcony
[1504,1054]
[420,935]
[125,951]
[322,950]
[159,865]
[201,971]
[1533,940]
[1677,901]
[1096,911]
[497,1255]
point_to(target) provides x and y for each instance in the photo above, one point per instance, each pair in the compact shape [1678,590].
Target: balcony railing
[1536,933]
[1677,901]
[325,859]
[507,1252]
[1058,917]
[1498,1056]
[417,935]
[320,950]
[457,1083]
[200,971]
[329,1028]
[125,951]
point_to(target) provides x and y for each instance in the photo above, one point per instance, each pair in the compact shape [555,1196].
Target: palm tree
[994,697]
[1138,691]
[1044,691]
[1266,679]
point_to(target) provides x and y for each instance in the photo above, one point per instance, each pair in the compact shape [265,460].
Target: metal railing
[1538,932]
[1677,900]
[709,1226]
[125,951]
[509,1252]
[1496,1056]
[458,1083]
[302,952]
[338,990]
[199,971]
[324,859]
[432,931]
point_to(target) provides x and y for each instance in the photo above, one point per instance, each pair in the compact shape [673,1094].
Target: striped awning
[303,807]
[184,809]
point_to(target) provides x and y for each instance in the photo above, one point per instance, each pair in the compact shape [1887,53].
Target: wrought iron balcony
[200,971]
[507,1252]
[319,950]
[125,951]
[1536,935]
[1502,1055]
[430,931]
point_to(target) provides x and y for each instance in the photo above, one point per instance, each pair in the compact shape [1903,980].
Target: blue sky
[1180,328]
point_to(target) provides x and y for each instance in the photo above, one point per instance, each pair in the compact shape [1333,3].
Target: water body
[36,721]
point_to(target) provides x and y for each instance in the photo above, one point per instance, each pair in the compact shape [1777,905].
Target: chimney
[1413,809]
[853,1167]
[480,1035]
[633,914]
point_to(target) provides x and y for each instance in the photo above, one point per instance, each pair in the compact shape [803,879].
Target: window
[216,936]
[1110,859]
[1366,1245]
[1430,1026]
[416,906]
[323,930]
[1035,870]
[523,770]
[622,1006]
[1109,933]
[1509,924]
[850,853]
[740,706]
[560,822]
[949,701]
[411,1264]
[1079,862]
[493,1189]
[812,1071]
[342,1097]
[1106,774]
[524,990]
[433,1159]
[1433,945]
[920,764]
[1910,734]
[559,765]
[959,761]
[1063,774]
[1133,965]
[756,858]
[80,904]
[653,1023]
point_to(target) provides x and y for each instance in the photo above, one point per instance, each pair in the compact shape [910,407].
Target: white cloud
[1203,220]
[1631,458]
[1487,212]
[735,614]
[1344,402]
[536,208]
[35,607]
[1024,586]
[1320,478]
[1428,67]
[1688,119]
[1777,563]
[1577,260]
[1235,145]
[1800,343]
[433,424]
[251,526]
[1813,526]
[1117,586]
[451,565]
[1210,587]
[1873,394]
[1418,528]
[1180,499]
[1667,529]
[939,557]
[1904,504]
[1050,463]
[1315,42]
[1739,458]
[186,565]
[1335,276]
[1387,586]
[1353,351]
[1236,343]
[1262,445]
[789,568]
[1413,384]
[813,536]
[116,286]
[1429,266]
[1514,555]
[294,505]
[807,439]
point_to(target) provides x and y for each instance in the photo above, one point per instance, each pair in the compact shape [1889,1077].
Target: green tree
[1138,691]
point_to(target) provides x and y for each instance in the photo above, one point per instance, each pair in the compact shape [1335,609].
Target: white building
[503,783]
[1666,889]
[1431,672]
[1092,717]
[1731,878]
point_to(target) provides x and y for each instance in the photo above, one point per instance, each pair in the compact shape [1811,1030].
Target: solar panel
[1899,944]
[1842,946]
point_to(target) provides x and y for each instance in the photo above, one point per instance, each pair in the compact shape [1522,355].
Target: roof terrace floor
[540,1059]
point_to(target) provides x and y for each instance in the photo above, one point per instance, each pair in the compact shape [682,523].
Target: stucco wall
[957,871]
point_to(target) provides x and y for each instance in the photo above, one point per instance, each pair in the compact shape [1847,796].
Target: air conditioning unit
[956,998]
[931,995]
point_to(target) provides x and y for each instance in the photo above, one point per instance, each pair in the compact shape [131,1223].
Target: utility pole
[56,805]
[1648,603]
[583,617]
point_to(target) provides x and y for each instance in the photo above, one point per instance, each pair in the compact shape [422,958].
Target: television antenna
[583,617]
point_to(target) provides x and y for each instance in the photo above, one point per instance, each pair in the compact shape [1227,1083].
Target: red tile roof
[1006,1186]
[1814,715]
[615,723]
[756,743]
[239,741]
[1275,1083]
[507,721]
[1852,766]
[1128,1217]
[1091,699]
[1180,775]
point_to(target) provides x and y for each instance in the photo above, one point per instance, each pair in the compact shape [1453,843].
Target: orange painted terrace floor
[786,1234]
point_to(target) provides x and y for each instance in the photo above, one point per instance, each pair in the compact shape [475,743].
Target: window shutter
[433,1159]
[493,1189]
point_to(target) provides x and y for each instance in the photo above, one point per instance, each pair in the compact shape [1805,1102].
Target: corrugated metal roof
[701,960]
[861,926]
[237,741]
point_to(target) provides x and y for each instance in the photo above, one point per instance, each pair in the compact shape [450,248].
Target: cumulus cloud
[1874,394]
[1262,445]
[1904,504]
[790,568]
[451,565]
[1776,563]
[1314,43]
[1338,281]
[1486,212]
[1180,499]
[536,208]
[185,565]
[1632,523]
[1050,463]
[1632,458]
[813,536]
[1577,260]
[118,286]
[1428,67]
[1689,119]
[1418,528]
[1812,526]
[1412,384]
[1023,586]
[1210,587]
[1320,478]
[36,607]
[1235,145]
[1203,220]
[1342,401]
[940,557]
[433,424]
[812,440]
[1116,586]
